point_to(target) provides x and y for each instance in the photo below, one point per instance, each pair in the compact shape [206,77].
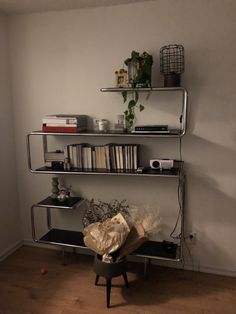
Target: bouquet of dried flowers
[116,229]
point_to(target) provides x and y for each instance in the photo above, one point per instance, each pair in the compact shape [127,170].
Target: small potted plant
[139,75]
[139,69]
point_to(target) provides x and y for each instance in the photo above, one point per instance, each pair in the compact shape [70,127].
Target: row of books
[64,123]
[93,157]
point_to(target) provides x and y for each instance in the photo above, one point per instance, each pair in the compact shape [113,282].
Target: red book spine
[60,129]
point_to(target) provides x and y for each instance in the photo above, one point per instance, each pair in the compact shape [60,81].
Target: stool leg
[108,292]
[126,280]
[147,263]
[96,280]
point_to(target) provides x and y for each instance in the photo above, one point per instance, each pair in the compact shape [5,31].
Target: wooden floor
[70,289]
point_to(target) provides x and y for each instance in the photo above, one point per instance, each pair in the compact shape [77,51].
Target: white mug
[102,125]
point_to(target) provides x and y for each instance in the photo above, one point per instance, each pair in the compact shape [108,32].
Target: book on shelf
[94,162]
[68,125]
[63,129]
[65,119]
[65,123]
[112,153]
[89,157]
[54,156]
[84,158]
[121,157]
[117,157]
[87,162]
[108,157]
[135,157]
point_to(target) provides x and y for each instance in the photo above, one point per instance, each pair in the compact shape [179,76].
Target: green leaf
[124,94]
[131,104]
[131,116]
[126,112]
[141,107]
[134,54]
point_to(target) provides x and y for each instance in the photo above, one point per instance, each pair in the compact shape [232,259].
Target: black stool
[109,270]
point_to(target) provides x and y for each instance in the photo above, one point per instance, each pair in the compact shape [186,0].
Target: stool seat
[109,270]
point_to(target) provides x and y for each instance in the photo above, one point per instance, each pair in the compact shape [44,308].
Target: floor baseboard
[10,250]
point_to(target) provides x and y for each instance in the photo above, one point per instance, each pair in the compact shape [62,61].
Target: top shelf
[183,122]
[179,133]
[143,89]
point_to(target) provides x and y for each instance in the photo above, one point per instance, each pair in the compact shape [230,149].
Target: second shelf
[173,173]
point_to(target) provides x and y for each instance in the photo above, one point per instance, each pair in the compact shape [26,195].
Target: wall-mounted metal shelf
[69,238]
[184,109]
[92,133]
[142,89]
[150,249]
[173,173]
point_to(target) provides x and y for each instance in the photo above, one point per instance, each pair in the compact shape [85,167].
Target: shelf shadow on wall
[210,202]
[208,155]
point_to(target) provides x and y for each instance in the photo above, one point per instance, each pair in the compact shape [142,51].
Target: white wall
[60,60]
[10,235]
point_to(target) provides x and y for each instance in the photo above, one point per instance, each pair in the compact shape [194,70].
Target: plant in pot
[139,75]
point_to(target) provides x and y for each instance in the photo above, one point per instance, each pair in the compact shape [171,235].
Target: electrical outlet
[193,237]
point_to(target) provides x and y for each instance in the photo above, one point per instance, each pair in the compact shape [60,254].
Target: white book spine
[108,163]
[70,150]
[126,157]
[117,157]
[84,157]
[135,151]
[75,156]
[121,157]
[89,155]
[60,121]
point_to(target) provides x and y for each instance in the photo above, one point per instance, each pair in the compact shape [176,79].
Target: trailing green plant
[132,106]
[139,75]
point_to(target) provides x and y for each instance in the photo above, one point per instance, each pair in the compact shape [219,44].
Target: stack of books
[117,157]
[65,123]
[86,157]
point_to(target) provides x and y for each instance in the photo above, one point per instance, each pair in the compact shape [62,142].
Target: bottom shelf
[150,249]
[64,237]
[158,250]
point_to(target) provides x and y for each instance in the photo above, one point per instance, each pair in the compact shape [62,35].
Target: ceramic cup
[103,124]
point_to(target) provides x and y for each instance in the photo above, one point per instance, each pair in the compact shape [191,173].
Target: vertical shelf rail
[28,152]
[28,146]
[184,114]
[182,181]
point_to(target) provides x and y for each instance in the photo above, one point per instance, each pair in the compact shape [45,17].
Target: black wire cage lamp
[172,64]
